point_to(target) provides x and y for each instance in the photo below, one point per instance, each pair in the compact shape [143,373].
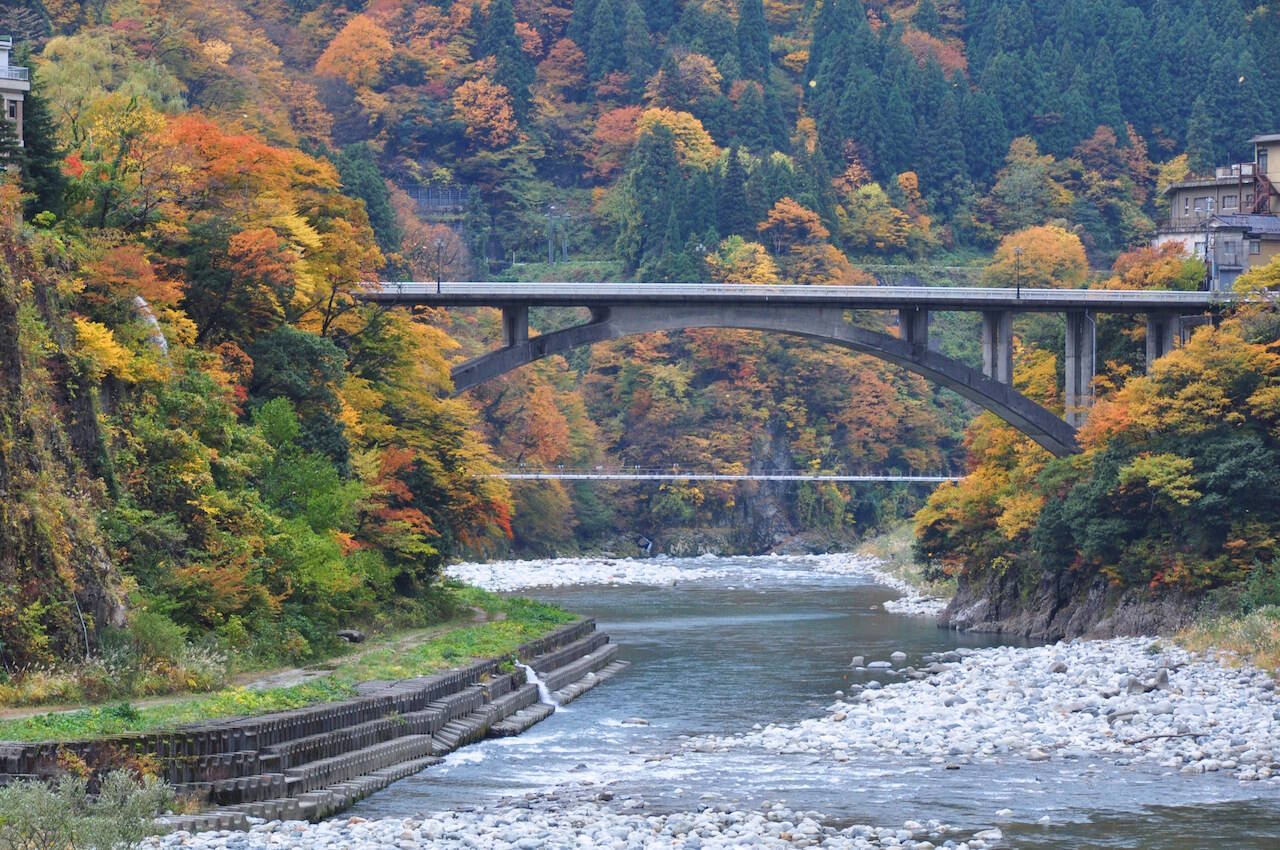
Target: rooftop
[1202,182]
[1261,225]
[1268,137]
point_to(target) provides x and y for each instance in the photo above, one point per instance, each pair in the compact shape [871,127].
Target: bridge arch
[822,324]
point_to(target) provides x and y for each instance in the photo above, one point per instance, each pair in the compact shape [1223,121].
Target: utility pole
[439,263]
[551,234]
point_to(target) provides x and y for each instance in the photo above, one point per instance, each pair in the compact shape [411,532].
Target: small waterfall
[544,695]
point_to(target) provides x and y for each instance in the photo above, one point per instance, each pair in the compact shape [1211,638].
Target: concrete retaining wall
[312,762]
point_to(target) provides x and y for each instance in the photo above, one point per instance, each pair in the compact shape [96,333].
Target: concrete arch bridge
[819,313]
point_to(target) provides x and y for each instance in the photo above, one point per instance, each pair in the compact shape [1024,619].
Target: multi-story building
[1233,214]
[15,82]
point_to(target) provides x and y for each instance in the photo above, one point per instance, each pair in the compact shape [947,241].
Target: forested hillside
[245,450]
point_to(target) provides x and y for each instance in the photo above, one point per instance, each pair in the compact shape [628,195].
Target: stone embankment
[1123,700]
[313,762]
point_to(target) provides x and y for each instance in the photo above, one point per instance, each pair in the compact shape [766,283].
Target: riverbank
[1010,746]
[508,623]
[660,571]
[1123,700]
[622,824]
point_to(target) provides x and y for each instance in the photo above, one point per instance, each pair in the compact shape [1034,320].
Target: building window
[1262,160]
[13,110]
[1186,205]
[1228,202]
[1248,200]
[1199,249]
[1255,246]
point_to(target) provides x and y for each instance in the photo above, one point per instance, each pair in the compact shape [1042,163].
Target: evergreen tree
[753,41]
[42,176]
[861,121]
[650,184]
[750,120]
[604,53]
[580,23]
[361,178]
[733,213]
[637,45]
[660,15]
[699,211]
[1201,156]
[985,136]
[1104,90]
[512,67]
[926,18]
[11,159]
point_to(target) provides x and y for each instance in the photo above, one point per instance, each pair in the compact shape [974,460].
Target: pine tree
[660,15]
[898,127]
[11,159]
[637,45]
[750,120]
[733,214]
[42,176]
[361,178]
[926,18]
[512,67]
[753,42]
[604,53]
[861,120]
[579,29]
[1105,90]
[985,136]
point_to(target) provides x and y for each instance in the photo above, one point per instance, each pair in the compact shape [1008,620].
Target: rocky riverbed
[507,576]
[1125,700]
[1117,741]
[617,825]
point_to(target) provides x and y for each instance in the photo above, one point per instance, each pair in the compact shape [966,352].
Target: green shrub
[1262,587]
[156,637]
[36,816]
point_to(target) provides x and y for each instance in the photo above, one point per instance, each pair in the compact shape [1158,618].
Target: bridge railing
[675,473]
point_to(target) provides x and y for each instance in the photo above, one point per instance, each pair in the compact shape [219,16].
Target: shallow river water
[769,641]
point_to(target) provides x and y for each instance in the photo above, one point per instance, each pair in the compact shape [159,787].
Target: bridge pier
[1163,331]
[997,345]
[1079,364]
[515,325]
[913,328]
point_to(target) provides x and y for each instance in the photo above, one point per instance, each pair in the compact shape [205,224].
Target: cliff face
[1068,605]
[57,584]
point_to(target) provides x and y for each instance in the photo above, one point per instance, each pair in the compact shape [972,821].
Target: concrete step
[575,670]
[576,689]
[329,744]
[521,720]
[326,772]
[569,652]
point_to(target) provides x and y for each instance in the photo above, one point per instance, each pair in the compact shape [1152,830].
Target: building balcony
[15,72]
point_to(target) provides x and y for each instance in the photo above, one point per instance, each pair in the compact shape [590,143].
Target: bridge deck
[712,476]
[479,294]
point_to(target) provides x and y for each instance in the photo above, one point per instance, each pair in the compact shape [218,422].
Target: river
[741,642]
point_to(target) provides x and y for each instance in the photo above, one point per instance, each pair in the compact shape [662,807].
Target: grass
[515,621]
[893,548]
[1252,637]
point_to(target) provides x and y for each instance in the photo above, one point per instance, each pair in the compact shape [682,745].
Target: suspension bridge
[639,474]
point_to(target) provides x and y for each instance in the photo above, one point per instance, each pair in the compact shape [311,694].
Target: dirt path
[282,677]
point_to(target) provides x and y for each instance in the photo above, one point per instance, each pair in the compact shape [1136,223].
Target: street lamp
[439,253]
[1017,269]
